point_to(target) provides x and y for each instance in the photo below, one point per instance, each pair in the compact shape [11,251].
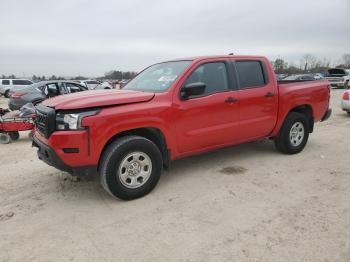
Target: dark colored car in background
[38,92]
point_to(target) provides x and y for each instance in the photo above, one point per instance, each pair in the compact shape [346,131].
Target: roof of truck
[217,56]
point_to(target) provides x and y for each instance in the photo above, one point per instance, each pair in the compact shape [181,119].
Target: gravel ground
[245,203]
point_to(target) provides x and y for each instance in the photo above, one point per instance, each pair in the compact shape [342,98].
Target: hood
[97,98]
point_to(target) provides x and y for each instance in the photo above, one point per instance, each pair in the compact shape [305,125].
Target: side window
[6,82]
[250,74]
[73,88]
[93,83]
[213,75]
[21,82]
[52,90]
[62,89]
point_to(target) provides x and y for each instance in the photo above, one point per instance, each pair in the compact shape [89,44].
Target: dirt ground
[245,203]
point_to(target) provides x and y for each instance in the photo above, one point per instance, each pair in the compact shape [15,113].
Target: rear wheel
[293,135]
[130,167]
[5,138]
[14,135]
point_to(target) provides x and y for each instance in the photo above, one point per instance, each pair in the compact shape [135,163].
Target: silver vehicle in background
[9,85]
[338,77]
[90,83]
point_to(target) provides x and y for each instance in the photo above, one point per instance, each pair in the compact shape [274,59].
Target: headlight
[72,121]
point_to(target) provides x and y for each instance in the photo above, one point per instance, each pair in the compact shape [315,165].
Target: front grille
[45,120]
[334,79]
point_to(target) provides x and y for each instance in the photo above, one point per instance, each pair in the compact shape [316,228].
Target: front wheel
[130,167]
[346,85]
[7,94]
[293,135]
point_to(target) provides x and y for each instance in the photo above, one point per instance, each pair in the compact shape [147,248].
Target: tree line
[307,64]
[111,75]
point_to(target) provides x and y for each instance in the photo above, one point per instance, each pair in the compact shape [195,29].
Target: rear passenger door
[258,99]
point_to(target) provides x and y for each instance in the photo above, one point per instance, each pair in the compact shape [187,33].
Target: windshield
[158,77]
[336,72]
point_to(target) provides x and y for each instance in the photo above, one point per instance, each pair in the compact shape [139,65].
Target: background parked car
[38,92]
[123,82]
[299,78]
[318,76]
[6,85]
[104,85]
[345,103]
[338,77]
[90,84]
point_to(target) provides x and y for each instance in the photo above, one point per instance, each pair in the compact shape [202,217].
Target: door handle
[231,100]
[269,94]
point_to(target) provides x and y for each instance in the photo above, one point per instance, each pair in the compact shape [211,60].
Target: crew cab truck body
[173,110]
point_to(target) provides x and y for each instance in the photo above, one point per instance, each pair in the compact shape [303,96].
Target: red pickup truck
[172,110]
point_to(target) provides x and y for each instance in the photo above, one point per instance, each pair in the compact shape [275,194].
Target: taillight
[346,96]
[17,95]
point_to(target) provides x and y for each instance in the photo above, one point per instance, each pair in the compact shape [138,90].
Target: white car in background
[90,83]
[9,85]
[338,77]
[345,102]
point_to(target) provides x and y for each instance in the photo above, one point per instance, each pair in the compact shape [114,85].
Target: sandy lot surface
[245,203]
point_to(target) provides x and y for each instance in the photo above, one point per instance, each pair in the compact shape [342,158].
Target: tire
[293,135]
[7,94]
[123,157]
[5,138]
[346,85]
[30,135]
[14,135]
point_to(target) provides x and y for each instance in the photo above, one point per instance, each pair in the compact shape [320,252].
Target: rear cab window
[250,74]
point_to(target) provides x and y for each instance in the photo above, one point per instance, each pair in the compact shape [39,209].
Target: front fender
[104,126]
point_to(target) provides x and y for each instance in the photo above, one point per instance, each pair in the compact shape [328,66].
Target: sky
[85,37]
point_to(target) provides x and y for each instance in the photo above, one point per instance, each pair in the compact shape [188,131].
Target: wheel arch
[151,133]
[306,110]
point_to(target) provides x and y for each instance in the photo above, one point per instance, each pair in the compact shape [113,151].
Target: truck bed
[314,92]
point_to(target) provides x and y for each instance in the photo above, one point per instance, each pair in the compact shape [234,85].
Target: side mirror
[194,89]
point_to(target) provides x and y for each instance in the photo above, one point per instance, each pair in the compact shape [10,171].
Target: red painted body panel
[189,127]
[97,98]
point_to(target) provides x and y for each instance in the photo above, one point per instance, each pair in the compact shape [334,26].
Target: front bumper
[52,158]
[336,84]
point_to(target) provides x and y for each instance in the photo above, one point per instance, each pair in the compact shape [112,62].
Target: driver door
[211,119]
